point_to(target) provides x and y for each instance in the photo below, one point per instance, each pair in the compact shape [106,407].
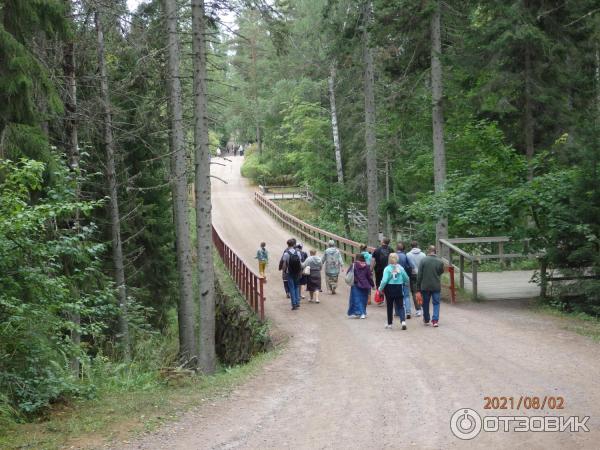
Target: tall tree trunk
[597,76]
[111,177]
[334,125]
[187,336]
[72,149]
[529,121]
[207,357]
[370,136]
[255,93]
[439,150]
[388,220]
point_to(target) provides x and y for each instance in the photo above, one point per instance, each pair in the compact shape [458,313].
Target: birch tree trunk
[72,149]
[334,125]
[111,178]
[187,335]
[370,136]
[254,57]
[207,357]
[439,150]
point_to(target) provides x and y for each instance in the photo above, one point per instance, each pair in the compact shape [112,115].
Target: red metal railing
[250,285]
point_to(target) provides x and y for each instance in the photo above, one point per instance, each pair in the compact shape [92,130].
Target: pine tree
[207,356]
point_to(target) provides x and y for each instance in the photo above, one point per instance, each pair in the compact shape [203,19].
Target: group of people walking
[398,276]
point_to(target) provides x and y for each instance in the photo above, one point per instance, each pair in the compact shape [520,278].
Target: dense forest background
[521,110]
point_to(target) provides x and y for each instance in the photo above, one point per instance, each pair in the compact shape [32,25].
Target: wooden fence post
[462,272]
[474,263]
[543,278]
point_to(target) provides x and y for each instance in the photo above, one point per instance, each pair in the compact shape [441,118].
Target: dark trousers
[378,277]
[394,297]
[413,290]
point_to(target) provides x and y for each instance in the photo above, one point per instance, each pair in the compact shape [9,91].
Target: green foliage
[37,245]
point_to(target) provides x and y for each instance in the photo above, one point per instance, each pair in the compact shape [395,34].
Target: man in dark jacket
[429,283]
[379,261]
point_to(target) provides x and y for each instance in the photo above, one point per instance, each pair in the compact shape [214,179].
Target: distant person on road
[293,266]
[414,258]
[303,278]
[313,285]
[379,261]
[360,290]
[393,279]
[429,283]
[333,263]
[263,259]
[405,263]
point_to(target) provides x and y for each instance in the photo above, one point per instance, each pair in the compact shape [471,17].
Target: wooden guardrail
[319,237]
[450,247]
[248,282]
[307,232]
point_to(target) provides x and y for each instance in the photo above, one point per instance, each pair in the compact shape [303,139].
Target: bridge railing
[248,282]
[307,232]
[450,247]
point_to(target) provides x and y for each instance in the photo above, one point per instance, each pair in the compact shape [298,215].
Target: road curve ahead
[351,384]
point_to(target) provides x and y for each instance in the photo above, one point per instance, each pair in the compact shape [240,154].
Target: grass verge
[580,323]
[120,416]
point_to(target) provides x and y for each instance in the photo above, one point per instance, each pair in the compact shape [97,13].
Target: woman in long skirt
[313,281]
[360,290]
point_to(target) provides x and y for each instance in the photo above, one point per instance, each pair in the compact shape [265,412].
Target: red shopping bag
[419,299]
[379,297]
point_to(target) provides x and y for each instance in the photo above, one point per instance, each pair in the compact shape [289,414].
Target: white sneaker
[419,313]
[403,325]
[388,327]
[363,316]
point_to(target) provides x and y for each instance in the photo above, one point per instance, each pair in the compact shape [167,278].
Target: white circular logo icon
[465,424]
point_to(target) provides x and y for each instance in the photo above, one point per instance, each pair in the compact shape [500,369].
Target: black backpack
[382,257]
[294,263]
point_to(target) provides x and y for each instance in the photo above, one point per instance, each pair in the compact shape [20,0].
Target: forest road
[351,384]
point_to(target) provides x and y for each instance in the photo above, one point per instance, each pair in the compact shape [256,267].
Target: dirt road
[351,384]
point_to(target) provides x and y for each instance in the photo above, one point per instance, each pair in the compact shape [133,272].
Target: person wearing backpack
[332,260]
[284,275]
[379,260]
[293,267]
[405,263]
[394,278]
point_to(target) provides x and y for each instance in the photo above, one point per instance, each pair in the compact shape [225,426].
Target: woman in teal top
[394,277]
